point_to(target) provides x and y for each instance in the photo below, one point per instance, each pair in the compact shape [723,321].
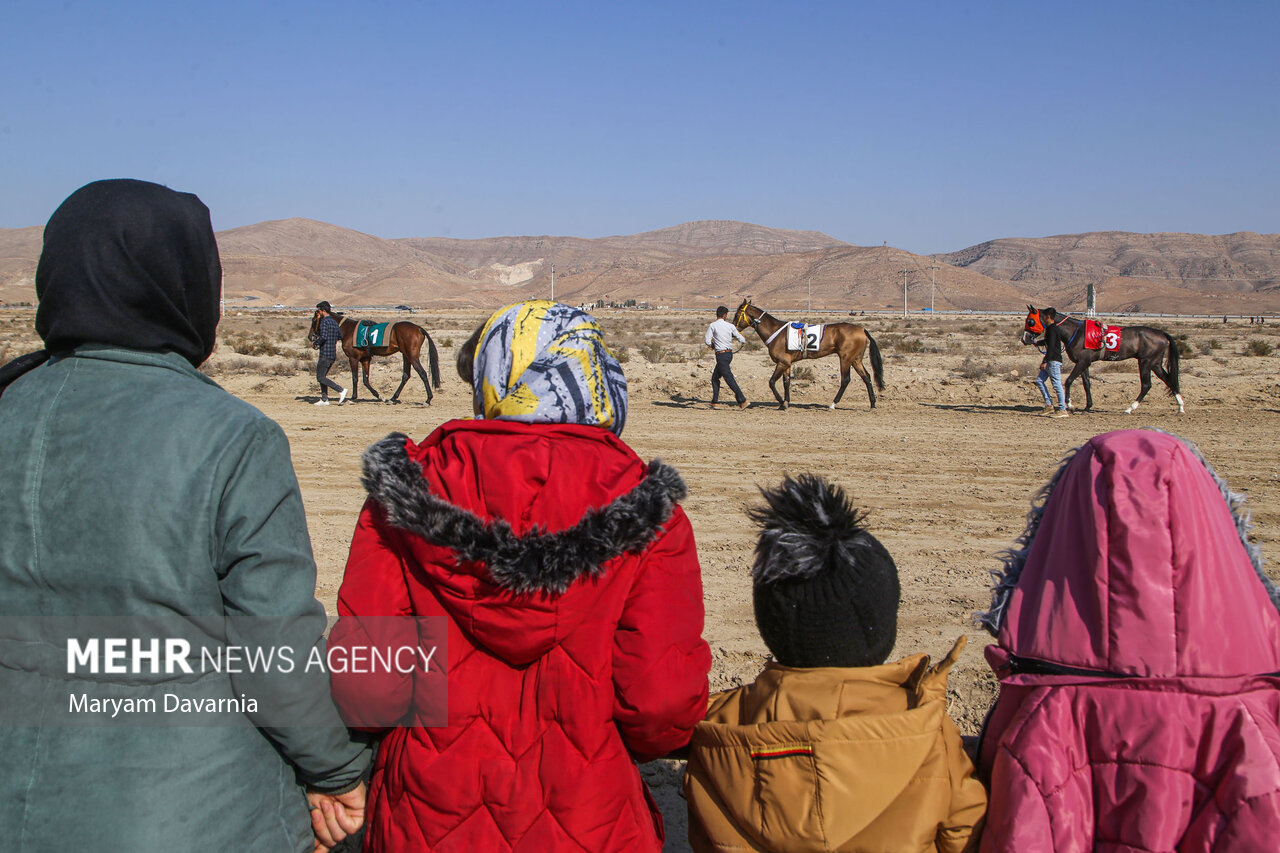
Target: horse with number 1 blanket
[371,334]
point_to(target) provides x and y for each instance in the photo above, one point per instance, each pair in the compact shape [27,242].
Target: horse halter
[742,319]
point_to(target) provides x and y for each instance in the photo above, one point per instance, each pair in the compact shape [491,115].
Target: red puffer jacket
[567,581]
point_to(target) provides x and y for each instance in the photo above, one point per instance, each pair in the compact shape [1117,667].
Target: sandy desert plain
[946,464]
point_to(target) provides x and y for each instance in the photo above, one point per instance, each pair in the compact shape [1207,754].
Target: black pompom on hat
[825,590]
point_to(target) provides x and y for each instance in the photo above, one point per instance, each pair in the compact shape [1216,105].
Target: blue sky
[931,126]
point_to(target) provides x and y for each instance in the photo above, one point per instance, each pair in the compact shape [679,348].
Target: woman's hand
[335,816]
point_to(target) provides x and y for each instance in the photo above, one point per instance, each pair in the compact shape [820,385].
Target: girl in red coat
[556,577]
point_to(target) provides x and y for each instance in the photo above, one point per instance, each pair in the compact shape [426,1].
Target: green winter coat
[141,498]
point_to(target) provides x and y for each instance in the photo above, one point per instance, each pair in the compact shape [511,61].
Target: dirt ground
[946,464]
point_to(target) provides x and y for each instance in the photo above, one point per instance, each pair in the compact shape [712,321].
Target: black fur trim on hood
[537,561]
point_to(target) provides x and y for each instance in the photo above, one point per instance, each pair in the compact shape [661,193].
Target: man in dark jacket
[327,337]
[1051,368]
[150,511]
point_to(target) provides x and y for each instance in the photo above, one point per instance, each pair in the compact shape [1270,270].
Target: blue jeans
[1052,369]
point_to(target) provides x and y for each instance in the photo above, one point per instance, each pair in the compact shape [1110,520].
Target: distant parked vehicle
[405,308]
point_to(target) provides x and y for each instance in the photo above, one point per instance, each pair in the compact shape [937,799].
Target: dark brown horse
[846,340]
[1155,350]
[403,337]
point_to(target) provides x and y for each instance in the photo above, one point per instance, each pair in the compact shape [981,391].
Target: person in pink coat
[1139,646]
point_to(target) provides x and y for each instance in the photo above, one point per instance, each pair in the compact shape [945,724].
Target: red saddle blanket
[1098,336]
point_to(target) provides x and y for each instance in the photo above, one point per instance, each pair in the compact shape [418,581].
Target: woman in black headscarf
[145,502]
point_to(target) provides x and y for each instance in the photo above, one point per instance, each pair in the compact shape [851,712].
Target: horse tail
[433,360]
[1172,366]
[877,366]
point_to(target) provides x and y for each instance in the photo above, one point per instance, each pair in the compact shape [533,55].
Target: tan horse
[846,340]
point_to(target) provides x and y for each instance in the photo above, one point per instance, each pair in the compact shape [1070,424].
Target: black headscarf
[132,264]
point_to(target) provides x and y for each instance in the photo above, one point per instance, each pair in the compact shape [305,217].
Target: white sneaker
[342,397]
[322,402]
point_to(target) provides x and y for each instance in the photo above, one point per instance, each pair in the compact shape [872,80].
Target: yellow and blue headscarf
[546,362]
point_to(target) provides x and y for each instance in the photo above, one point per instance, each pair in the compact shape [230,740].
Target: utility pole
[904,291]
[809,282]
[553,282]
[933,285]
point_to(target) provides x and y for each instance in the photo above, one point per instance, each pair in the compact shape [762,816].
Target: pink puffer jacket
[1139,643]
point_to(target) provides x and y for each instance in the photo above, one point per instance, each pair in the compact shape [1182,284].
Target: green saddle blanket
[371,334]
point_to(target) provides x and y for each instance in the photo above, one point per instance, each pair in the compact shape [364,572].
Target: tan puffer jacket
[834,759]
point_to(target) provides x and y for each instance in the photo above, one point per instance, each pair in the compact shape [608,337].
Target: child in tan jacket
[831,749]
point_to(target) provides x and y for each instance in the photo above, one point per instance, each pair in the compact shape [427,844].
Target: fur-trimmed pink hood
[1136,564]
[1138,645]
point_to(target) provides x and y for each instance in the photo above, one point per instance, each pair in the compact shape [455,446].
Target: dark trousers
[722,371]
[326,384]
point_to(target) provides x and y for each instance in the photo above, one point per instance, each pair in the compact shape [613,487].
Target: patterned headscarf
[546,362]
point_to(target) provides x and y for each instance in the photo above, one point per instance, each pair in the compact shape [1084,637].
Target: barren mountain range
[297,262]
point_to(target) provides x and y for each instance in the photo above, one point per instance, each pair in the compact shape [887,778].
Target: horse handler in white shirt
[720,335]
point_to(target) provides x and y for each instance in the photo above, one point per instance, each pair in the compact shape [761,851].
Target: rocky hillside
[298,262]
[1143,272]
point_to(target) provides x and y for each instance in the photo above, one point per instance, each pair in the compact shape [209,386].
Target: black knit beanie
[826,591]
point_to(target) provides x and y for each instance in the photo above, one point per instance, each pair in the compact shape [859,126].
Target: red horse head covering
[1135,562]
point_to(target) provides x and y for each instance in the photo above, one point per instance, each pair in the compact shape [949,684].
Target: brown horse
[1151,347]
[403,337]
[843,339]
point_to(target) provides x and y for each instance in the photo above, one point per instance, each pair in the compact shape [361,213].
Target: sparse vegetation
[257,344]
[279,367]
[803,373]
[621,353]
[973,369]
[1259,347]
[656,352]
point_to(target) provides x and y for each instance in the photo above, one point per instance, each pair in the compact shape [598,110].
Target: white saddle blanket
[801,336]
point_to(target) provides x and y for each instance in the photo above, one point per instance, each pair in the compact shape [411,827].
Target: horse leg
[1077,369]
[1088,389]
[404,376]
[1168,381]
[844,383]
[1144,372]
[354,362]
[780,370]
[364,367]
[404,379]
[422,374]
[866,380]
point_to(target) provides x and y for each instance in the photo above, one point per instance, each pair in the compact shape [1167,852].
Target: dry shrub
[973,370]
[803,373]
[1259,347]
[262,367]
[657,352]
[258,344]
